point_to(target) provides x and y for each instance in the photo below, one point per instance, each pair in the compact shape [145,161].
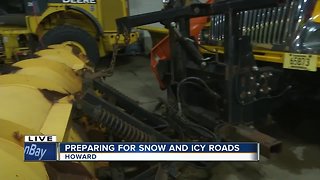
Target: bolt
[203,64]
[251,78]
[173,24]
[17,135]
[255,68]
[258,84]
[249,93]
[269,88]
[262,76]
[261,90]
[270,74]
[196,10]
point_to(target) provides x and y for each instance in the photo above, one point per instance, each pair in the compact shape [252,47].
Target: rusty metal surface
[268,144]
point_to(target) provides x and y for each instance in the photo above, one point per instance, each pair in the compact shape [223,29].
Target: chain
[109,72]
[127,39]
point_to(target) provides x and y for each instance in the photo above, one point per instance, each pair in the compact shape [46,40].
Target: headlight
[308,39]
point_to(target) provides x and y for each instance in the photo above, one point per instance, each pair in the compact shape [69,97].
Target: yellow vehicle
[288,39]
[28,89]
[287,35]
[26,25]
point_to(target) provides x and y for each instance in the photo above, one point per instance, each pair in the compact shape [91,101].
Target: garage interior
[293,122]
[296,161]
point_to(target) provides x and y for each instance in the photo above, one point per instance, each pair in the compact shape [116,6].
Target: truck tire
[66,33]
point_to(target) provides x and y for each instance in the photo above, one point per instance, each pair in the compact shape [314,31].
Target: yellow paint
[10,43]
[57,120]
[24,106]
[110,40]
[24,110]
[51,71]
[63,54]
[260,55]
[154,29]
[33,22]
[108,12]
[15,132]
[75,45]
[316,13]
[12,164]
[11,152]
[33,81]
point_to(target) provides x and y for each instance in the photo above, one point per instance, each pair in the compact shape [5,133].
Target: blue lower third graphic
[40,151]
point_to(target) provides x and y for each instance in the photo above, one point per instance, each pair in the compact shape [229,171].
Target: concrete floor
[133,77]
[299,160]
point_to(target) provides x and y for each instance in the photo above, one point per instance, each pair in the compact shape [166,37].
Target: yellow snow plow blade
[37,99]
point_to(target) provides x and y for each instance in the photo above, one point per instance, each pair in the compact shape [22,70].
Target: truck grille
[266,26]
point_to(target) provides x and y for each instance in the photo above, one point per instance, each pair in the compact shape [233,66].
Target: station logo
[40,148]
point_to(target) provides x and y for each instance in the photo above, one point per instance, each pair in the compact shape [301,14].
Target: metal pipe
[234,133]
[268,144]
[194,10]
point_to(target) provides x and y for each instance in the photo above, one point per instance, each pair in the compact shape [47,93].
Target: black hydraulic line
[121,124]
[130,106]
[192,50]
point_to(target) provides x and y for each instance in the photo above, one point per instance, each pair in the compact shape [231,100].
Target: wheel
[73,36]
